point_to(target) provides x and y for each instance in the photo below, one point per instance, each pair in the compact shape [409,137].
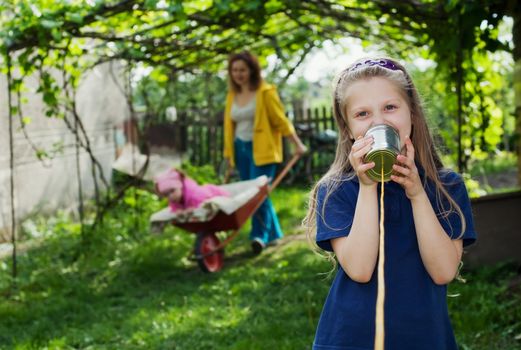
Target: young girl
[183,192]
[427,219]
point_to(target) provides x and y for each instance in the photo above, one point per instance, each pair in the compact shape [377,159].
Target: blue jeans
[265,223]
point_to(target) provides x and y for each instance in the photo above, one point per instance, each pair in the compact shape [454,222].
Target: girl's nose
[378,118]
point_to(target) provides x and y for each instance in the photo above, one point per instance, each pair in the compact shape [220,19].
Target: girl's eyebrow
[392,100]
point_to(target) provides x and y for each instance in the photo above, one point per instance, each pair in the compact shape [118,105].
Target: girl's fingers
[399,179]
[403,180]
[356,144]
[361,142]
[410,148]
[360,147]
[366,166]
[402,170]
[406,161]
[408,158]
[362,151]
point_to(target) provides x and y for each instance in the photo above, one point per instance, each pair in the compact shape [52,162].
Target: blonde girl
[428,219]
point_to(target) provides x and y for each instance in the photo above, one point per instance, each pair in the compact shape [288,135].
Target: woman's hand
[300,148]
[360,147]
[228,164]
[407,172]
[228,168]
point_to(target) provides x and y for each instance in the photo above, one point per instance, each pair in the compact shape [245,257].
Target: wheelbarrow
[222,214]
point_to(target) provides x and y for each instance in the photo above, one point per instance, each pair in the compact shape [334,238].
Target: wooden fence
[200,135]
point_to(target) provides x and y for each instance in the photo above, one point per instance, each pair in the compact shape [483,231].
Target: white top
[243,117]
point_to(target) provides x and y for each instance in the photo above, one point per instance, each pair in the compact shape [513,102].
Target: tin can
[383,153]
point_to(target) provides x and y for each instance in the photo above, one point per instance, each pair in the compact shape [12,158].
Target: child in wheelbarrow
[182,192]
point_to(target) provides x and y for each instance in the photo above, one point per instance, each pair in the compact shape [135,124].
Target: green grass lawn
[130,290]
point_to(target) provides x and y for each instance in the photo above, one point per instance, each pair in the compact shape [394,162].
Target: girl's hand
[407,173]
[356,157]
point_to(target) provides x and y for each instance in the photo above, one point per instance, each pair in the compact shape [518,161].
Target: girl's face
[240,73]
[175,195]
[377,101]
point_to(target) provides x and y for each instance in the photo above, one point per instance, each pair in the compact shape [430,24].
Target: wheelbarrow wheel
[204,244]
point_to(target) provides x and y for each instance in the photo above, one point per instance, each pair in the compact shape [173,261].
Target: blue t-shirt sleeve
[452,223]
[334,213]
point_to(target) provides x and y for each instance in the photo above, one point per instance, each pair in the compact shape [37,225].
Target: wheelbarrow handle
[284,171]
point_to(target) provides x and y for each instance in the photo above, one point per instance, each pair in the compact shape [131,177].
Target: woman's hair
[426,155]
[253,64]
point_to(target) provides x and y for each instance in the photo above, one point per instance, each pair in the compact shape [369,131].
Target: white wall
[44,187]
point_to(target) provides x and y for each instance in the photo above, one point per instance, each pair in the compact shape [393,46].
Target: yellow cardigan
[269,125]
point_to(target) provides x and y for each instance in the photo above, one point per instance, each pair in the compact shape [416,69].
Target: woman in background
[254,124]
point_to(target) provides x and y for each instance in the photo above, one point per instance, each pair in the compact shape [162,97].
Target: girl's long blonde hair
[426,154]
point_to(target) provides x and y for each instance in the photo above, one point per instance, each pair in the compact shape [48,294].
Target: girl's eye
[361,114]
[390,107]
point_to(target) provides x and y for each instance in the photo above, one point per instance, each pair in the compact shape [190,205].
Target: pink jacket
[194,194]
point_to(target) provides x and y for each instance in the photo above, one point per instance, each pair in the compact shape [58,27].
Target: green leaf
[56,34]
[130,201]
[75,50]
[41,154]
[151,4]
[74,17]
[50,24]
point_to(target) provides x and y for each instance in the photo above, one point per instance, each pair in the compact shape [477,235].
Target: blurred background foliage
[176,51]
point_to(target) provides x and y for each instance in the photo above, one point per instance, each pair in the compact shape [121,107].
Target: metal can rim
[373,173]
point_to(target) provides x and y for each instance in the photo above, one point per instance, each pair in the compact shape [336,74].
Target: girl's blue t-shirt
[415,311]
